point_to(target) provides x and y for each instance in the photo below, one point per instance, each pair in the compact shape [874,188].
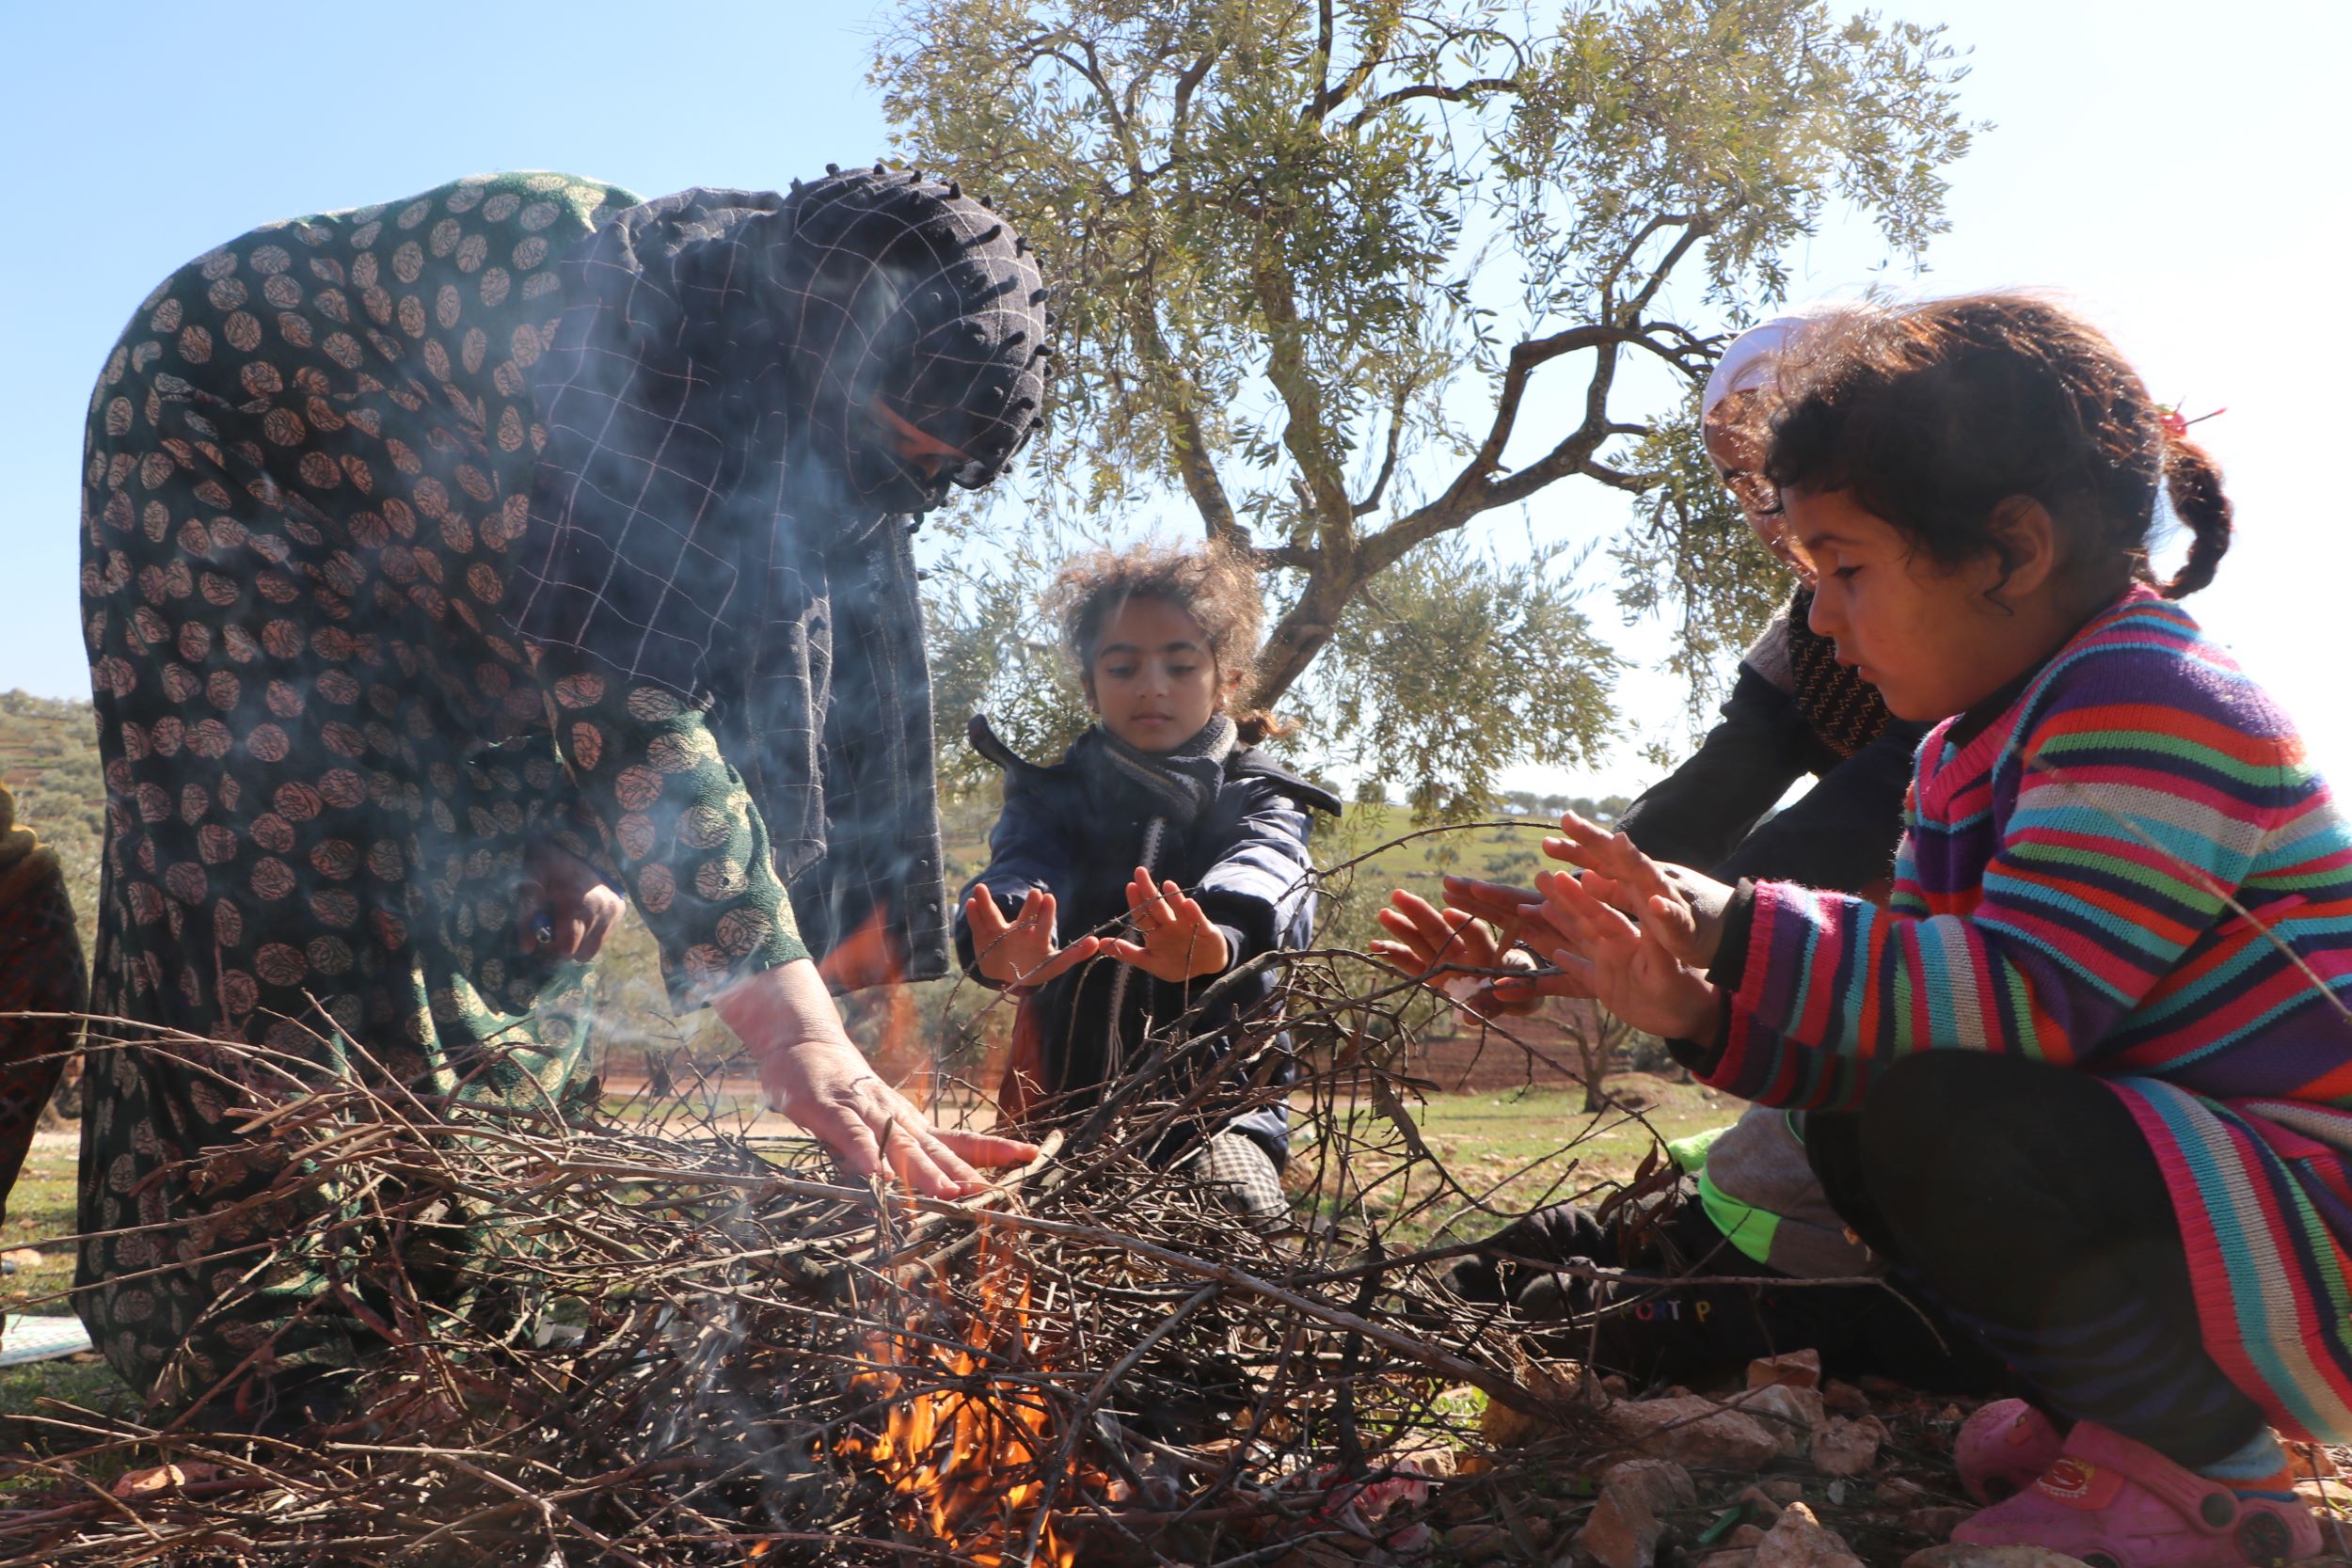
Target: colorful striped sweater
[2131,872]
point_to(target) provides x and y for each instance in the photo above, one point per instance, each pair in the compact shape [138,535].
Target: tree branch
[1432,89]
[1180,113]
[1329,98]
[1189,445]
[1289,558]
[1305,434]
[1371,504]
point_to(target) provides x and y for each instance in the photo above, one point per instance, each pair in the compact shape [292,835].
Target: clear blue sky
[2174,168]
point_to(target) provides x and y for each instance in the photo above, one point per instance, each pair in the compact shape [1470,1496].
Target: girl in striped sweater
[2096,1055]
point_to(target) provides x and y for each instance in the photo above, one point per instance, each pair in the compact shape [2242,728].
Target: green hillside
[49,757]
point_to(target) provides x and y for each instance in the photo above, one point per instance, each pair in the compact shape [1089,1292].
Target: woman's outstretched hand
[1180,942]
[1447,949]
[1640,939]
[809,1071]
[1021,951]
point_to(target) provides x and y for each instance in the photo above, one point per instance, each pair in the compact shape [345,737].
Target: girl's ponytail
[1260,724]
[2194,482]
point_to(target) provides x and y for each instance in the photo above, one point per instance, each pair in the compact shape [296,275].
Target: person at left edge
[453,563]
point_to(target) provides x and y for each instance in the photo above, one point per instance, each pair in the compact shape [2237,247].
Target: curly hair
[1215,584]
[1935,414]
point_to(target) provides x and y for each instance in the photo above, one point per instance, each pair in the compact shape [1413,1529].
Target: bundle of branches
[633,1334]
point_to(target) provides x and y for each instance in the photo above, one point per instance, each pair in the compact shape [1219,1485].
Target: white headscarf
[1747,361]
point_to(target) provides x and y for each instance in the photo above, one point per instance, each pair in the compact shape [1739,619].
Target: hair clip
[2168,419]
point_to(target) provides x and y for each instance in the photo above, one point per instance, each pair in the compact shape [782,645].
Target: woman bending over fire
[453,568]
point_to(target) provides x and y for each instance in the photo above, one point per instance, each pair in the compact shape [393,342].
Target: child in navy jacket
[1128,882]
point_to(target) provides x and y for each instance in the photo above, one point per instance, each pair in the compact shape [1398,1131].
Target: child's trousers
[2023,1200]
[1662,1321]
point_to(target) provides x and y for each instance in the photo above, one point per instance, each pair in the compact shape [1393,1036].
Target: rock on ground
[1694,1430]
[1991,1557]
[1798,1369]
[1626,1524]
[1799,1540]
[1790,1413]
[1844,1448]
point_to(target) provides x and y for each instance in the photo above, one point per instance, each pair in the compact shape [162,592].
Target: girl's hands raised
[1436,945]
[1640,941]
[1180,942]
[1021,951]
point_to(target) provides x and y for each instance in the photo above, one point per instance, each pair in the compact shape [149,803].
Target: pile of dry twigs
[668,1342]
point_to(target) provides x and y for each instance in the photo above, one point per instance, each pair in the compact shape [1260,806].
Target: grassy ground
[1508,1153]
[40,1208]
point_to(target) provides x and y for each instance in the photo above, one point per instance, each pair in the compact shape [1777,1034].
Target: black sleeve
[1843,832]
[1699,814]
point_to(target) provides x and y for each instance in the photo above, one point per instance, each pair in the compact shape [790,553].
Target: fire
[966,1445]
[869,958]
[968,1435]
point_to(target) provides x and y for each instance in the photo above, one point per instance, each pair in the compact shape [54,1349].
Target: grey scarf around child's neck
[1180,783]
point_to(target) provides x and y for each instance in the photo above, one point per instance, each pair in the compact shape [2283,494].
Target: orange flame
[964,1448]
[869,956]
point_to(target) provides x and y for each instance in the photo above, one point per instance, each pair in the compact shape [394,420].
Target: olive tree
[1316,260]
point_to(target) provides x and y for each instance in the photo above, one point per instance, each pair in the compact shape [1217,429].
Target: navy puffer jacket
[1079,831]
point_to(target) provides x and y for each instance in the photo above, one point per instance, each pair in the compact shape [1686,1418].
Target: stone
[1620,1533]
[1693,1430]
[1430,1456]
[1937,1523]
[1660,1483]
[1958,1556]
[1728,1556]
[1790,1412]
[1505,1428]
[1797,1368]
[1844,1399]
[1783,1490]
[1800,1541]
[1847,1447]
[1762,1506]
[1626,1524]
[1477,1543]
[1898,1493]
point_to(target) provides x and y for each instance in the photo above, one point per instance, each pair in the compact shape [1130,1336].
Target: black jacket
[1841,834]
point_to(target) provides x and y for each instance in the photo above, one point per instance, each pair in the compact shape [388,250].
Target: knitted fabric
[1843,709]
[1178,791]
[2112,877]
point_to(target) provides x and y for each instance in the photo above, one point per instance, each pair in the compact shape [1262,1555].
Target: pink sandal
[2114,1503]
[2003,1448]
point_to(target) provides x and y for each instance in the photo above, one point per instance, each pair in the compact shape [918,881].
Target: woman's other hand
[566,907]
[1452,951]
[1020,952]
[1619,874]
[1180,942]
[1637,937]
[809,1071]
[1496,903]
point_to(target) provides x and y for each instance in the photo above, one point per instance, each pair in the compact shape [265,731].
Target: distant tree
[1312,256]
[1596,1034]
